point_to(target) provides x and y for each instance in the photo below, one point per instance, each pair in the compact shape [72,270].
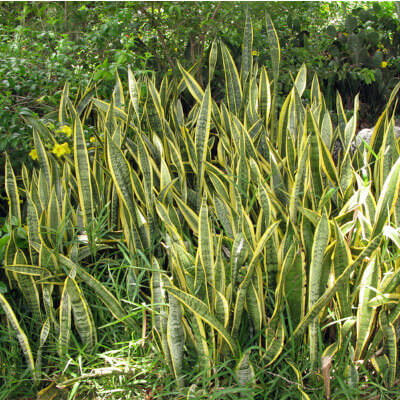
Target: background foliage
[352,46]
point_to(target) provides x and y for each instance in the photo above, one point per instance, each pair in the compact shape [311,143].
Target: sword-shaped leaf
[201,140]
[65,322]
[275,51]
[321,239]
[387,199]
[247,54]
[121,173]
[232,82]
[212,60]
[366,313]
[82,315]
[101,291]
[21,336]
[12,193]
[194,88]
[329,293]
[176,338]
[201,310]
[301,80]
[43,158]
[154,110]
[83,173]
[206,246]
[244,372]
[391,345]
[341,259]
[242,291]
[134,92]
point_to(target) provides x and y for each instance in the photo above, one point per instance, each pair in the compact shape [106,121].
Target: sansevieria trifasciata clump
[255,238]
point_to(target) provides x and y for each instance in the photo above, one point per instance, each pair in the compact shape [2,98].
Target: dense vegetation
[184,226]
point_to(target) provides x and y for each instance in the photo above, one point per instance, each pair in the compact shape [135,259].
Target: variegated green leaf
[201,310]
[329,293]
[21,336]
[12,193]
[247,54]
[366,313]
[232,82]
[83,173]
[321,238]
[201,140]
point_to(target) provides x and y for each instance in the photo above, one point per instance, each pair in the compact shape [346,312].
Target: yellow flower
[175,49]
[61,149]
[384,64]
[92,139]
[345,33]
[140,37]
[256,53]
[33,154]
[66,129]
